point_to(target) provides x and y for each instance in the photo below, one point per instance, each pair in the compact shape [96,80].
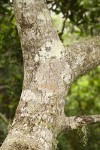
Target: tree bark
[75,122]
[49,70]
[84,56]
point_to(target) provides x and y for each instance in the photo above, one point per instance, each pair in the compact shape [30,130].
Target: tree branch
[84,56]
[78,121]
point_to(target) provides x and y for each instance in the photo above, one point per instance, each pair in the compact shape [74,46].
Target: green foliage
[73,140]
[84,95]
[3,127]
[84,14]
[83,99]
[77,19]
[11,71]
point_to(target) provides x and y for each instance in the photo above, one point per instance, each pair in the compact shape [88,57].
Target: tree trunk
[37,120]
[49,70]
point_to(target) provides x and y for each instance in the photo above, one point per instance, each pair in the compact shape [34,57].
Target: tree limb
[84,56]
[78,121]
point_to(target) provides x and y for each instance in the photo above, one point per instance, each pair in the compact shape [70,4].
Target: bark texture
[49,70]
[84,56]
[75,122]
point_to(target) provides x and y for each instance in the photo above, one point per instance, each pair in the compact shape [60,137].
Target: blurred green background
[75,20]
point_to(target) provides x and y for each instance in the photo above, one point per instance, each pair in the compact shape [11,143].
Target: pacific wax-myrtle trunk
[49,70]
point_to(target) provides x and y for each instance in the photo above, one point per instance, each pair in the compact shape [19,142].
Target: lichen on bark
[49,70]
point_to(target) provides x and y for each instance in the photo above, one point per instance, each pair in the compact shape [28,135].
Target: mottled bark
[49,70]
[84,56]
[37,120]
[75,122]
